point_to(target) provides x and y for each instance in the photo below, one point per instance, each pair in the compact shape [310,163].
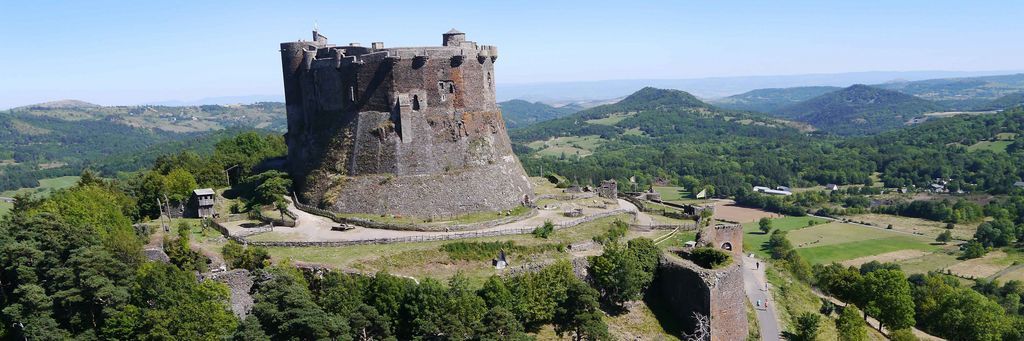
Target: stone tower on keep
[412,131]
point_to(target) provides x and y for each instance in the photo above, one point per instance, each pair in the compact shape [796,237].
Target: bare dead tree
[702,332]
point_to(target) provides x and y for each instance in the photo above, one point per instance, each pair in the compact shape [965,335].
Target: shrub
[708,257]
[544,230]
[479,251]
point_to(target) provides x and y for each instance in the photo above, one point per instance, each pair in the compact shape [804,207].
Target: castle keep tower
[412,131]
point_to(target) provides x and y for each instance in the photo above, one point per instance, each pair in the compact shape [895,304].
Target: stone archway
[727,246]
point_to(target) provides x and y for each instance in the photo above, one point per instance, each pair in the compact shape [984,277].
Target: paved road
[754,284]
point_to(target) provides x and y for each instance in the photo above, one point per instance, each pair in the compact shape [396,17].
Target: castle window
[451,87]
[490,81]
[352,93]
[415,102]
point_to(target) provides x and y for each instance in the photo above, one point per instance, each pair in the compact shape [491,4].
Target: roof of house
[1019,183]
[203,191]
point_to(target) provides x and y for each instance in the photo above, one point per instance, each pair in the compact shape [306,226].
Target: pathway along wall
[686,288]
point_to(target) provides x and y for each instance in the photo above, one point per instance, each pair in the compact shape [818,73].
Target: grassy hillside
[520,113]
[770,100]
[859,109]
[1005,102]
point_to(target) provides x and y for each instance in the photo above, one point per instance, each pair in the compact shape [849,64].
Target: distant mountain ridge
[770,100]
[858,109]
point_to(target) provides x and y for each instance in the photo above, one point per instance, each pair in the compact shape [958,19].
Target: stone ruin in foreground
[411,131]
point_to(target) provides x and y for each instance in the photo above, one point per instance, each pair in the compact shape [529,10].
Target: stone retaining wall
[448,236]
[409,226]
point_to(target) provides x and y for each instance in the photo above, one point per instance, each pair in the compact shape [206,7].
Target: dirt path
[1006,271]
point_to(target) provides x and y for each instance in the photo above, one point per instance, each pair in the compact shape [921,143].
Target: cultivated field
[727,210]
[928,228]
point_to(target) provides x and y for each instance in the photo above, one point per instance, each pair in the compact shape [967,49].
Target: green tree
[250,330]
[495,293]
[765,225]
[31,315]
[944,237]
[500,324]
[286,310]
[806,327]
[179,184]
[779,245]
[974,249]
[889,299]
[850,326]
[579,315]
[618,274]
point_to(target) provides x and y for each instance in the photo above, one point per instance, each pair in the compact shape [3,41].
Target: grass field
[850,250]
[754,239]
[612,119]
[995,146]
[46,186]
[833,241]
[929,228]
[567,145]
[1006,136]
[935,261]
[670,193]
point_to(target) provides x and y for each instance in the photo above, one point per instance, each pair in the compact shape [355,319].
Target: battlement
[319,53]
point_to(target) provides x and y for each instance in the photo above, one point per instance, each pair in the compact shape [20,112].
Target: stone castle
[411,131]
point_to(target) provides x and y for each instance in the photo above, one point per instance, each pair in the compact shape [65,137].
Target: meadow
[581,146]
[46,186]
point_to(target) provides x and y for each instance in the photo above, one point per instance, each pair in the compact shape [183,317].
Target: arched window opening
[415,102]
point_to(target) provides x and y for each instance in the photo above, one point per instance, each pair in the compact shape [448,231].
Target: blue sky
[129,52]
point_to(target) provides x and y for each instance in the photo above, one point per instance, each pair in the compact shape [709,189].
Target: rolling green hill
[266,115]
[1004,102]
[770,100]
[519,113]
[960,93]
[858,109]
[61,138]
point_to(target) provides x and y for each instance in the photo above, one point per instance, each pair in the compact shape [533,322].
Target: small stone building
[609,189]
[200,205]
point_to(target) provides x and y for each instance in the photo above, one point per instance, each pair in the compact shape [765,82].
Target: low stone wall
[409,226]
[447,236]
[687,288]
